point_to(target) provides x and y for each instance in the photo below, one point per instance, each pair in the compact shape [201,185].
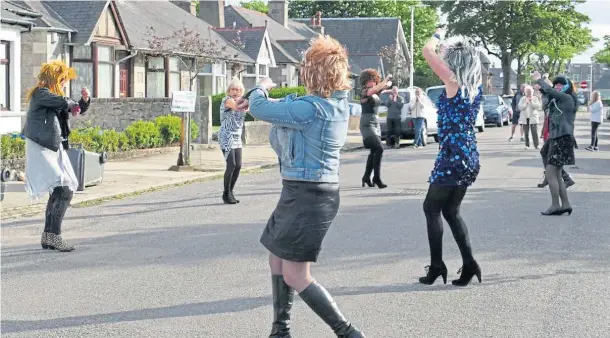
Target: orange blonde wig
[52,75]
[324,68]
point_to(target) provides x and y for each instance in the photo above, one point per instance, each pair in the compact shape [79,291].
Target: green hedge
[163,131]
[276,93]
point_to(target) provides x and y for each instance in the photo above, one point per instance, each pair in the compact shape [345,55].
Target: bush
[276,93]
[170,127]
[143,135]
[11,147]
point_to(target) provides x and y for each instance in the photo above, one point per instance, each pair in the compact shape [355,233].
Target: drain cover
[412,192]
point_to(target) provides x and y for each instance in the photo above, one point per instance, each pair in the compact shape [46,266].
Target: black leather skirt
[297,227]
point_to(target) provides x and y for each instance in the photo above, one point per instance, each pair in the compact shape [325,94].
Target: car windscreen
[434,94]
[490,101]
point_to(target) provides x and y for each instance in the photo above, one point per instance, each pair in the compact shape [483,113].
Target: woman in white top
[530,107]
[596,108]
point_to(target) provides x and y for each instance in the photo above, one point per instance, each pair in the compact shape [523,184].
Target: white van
[435,92]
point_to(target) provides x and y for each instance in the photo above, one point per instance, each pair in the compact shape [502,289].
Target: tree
[392,55]
[426,19]
[513,30]
[255,5]
[603,56]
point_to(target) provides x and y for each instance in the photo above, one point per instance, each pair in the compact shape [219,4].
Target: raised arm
[548,89]
[296,114]
[45,98]
[399,102]
[437,64]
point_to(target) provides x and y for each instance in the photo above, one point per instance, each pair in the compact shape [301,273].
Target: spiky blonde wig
[51,76]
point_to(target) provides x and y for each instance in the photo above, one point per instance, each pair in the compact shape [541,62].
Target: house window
[211,79]
[105,71]
[82,62]
[5,61]
[155,77]
[262,70]
[251,70]
[174,74]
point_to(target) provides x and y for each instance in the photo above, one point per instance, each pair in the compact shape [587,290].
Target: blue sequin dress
[457,163]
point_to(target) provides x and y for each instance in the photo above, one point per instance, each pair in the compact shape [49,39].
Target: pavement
[144,174]
[179,263]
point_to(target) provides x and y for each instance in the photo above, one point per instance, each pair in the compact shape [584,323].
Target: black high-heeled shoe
[468,271]
[378,183]
[367,181]
[432,273]
[557,212]
[568,210]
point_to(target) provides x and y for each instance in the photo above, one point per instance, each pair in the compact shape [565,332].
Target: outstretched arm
[296,114]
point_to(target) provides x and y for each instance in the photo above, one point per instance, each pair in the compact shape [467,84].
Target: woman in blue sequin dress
[457,164]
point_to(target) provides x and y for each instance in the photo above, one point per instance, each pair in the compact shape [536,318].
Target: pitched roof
[165,17]
[82,16]
[48,17]
[14,13]
[248,40]
[361,36]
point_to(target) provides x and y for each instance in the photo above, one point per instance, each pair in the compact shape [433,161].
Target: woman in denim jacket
[308,134]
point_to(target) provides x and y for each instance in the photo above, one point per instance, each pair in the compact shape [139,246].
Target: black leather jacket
[42,120]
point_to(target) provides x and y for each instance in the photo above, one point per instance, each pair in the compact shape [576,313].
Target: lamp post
[411,70]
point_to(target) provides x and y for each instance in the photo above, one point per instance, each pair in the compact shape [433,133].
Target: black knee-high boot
[377,169]
[322,303]
[366,179]
[56,211]
[283,296]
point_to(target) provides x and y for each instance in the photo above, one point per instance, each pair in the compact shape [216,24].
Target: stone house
[290,37]
[107,42]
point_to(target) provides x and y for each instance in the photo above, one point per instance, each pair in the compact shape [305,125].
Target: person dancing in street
[558,150]
[229,138]
[530,105]
[372,86]
[457,165]
[47,166]
[545,136]
[308,134]
[596,109]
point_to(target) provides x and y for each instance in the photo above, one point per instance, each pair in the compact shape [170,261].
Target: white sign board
[183,101]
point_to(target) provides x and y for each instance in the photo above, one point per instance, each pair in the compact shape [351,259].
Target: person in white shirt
[596,109]
[416,110]
[530,107]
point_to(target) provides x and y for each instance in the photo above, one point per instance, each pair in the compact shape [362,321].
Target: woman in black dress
[372,86]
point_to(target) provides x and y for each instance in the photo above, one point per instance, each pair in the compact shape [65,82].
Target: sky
[597,10]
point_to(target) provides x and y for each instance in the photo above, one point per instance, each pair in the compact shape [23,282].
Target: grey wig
[464,61]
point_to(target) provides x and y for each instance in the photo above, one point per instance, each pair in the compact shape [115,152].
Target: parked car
[495,110]
[435,92]
[407,126]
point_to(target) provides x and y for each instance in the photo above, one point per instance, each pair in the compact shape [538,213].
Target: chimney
[187,5]
[212,12]
[316,24]
[278,11]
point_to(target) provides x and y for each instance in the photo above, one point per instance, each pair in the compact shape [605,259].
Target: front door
[124,78]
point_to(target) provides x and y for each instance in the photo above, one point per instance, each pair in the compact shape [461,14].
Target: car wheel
[481,128]
[436,139]
[499,124]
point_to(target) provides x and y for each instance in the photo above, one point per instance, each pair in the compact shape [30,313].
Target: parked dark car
[495,110]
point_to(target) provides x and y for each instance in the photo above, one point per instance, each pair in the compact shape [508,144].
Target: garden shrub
[143,135]
[12,147]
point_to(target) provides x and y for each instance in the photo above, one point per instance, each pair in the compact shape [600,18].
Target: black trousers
[233,169]
[594,139]
[373,162]
[58,204]
[393,132]
[446,201]
[534,130]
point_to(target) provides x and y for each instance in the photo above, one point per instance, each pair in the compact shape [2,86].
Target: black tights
[373,162]
[233,168]
[446,200]
[58,203]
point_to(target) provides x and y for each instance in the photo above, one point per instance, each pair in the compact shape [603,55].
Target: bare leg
[297,274]
[275,263]
[553,176]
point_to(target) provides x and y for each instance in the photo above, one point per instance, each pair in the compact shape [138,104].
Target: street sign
[583,85]
[183,101]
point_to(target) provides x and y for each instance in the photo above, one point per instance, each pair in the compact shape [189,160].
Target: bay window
[155,77]
[82,62]
[105,72]
[206,80]
[5,61]
[174,74]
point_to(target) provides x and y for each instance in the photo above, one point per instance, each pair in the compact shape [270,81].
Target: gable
[108,28]
[264,52]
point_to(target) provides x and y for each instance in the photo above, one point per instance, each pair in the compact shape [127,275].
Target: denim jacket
[307,134]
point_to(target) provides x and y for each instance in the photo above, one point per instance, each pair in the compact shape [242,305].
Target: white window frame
[219,69]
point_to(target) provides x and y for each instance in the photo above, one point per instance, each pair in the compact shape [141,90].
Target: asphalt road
[179,263]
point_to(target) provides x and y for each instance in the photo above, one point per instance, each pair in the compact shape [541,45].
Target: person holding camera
[372,86]
[394,104]
[47,166]
[416,109]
